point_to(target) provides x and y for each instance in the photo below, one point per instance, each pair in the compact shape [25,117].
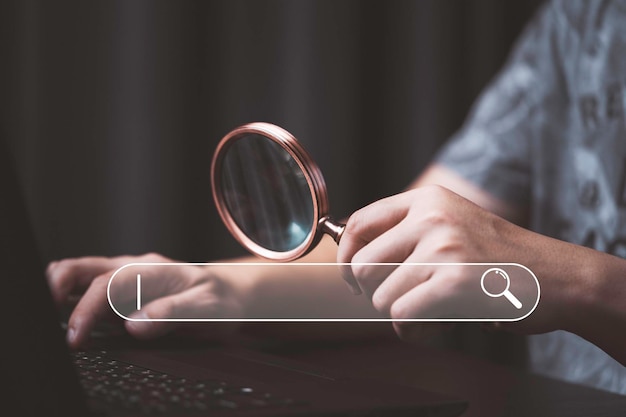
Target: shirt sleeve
[493,149]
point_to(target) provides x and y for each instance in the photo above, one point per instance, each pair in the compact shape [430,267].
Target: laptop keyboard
[111,384]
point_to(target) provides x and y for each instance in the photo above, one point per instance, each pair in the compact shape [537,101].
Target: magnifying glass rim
[489,293]
[312,175]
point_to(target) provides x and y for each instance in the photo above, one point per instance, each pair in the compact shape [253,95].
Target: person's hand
[431,225]
[184,291]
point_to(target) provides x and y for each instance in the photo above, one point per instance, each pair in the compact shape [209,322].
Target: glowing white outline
[456,320]
[506,293]
[139,292]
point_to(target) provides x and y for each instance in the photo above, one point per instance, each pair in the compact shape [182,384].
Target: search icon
[507,294]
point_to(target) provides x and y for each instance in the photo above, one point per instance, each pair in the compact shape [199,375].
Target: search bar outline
[306,319]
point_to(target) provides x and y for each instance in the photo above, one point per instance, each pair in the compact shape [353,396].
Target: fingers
[366,225]
[403,243]
[198,302]
[423,301]
[429,300]
[402,280]
[158,309]
[92,308]
[418,267]
[69,276]
[373,263]
[165,293]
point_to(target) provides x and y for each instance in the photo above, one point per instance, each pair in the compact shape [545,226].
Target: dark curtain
[113,108]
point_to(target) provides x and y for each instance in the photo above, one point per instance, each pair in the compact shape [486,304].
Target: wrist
[568,278]
[601,302]
[592,298]
[581,284]
[240,281]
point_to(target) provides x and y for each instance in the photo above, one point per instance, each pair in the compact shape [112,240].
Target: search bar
[461,292]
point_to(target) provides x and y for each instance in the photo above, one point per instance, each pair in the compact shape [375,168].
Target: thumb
[148,322]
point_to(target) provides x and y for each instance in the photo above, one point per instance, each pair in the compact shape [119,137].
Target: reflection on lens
[267,194]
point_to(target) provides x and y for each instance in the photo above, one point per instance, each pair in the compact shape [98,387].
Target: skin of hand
[80,283]
[431,224]
[214,291]
[579,291]
[187,291]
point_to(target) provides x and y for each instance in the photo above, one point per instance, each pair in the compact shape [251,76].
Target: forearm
[582,290]
[306,291]
[297,291]
[441,175]
[599,310]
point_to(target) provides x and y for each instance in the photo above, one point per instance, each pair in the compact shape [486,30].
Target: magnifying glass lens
[266,193]
[270,193]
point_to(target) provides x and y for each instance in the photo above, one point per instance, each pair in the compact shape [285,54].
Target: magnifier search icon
[498,272]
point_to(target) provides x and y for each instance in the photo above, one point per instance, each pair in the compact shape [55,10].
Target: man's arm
[274,291]
[437,174]
[255,296]
[582,290]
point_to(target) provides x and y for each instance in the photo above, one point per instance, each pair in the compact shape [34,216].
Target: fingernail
[139,315]
[52,265]
[71,335]
[137,325]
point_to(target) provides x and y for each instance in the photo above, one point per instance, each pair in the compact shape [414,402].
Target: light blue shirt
[549,134]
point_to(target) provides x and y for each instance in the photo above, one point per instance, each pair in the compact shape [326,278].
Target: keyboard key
[114,384]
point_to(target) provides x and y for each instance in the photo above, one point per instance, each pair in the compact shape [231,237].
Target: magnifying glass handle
[513,299]
[332,228]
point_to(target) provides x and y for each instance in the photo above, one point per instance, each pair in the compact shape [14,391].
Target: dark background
[113,108]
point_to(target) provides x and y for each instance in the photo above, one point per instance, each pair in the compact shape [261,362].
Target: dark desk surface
[492,390]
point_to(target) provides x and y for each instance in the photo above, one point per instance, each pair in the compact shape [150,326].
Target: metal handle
[332,228]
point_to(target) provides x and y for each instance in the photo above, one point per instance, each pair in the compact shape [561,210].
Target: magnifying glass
[270,193]
[499,272]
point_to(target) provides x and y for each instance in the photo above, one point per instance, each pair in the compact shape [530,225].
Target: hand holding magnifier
[270,193]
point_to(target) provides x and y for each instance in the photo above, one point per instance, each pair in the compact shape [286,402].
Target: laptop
[43,378]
